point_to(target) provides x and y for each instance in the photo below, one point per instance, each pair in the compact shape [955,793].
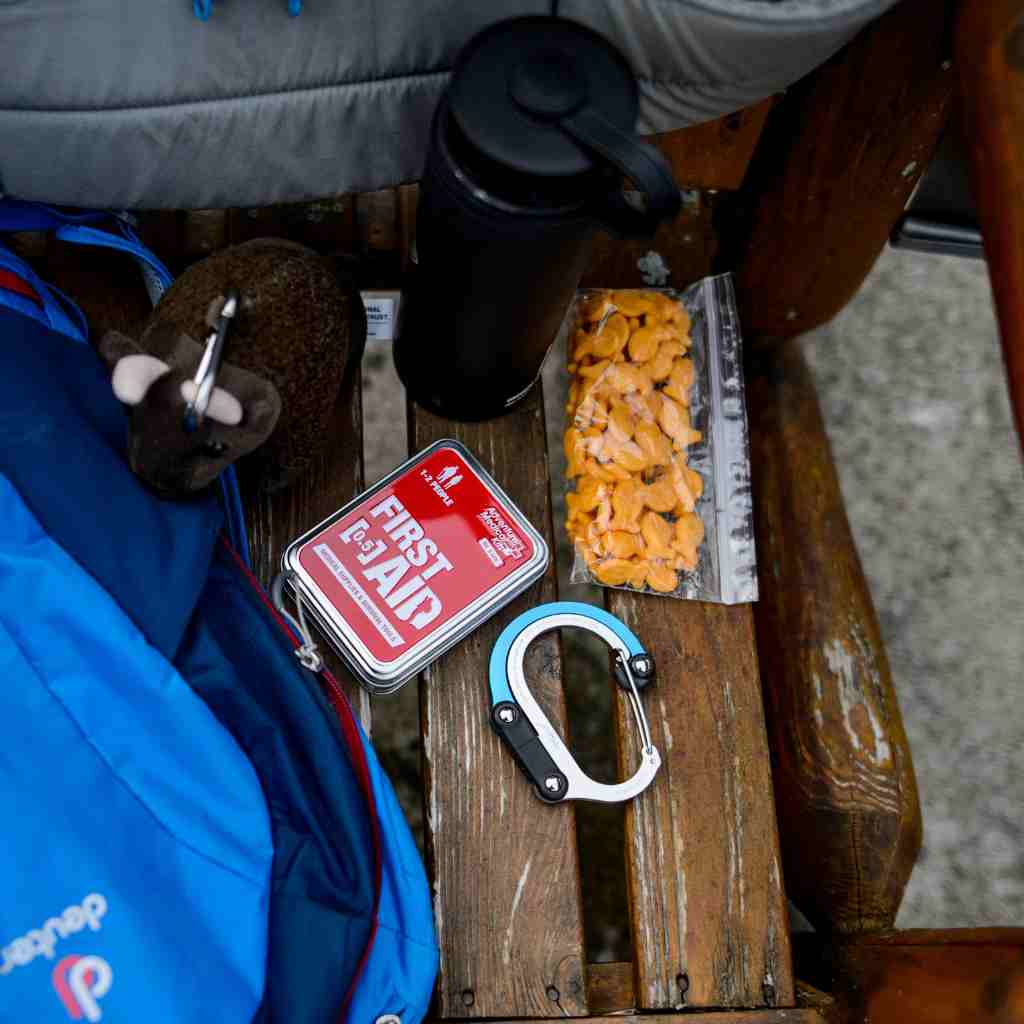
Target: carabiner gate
[525,729]
[209,364]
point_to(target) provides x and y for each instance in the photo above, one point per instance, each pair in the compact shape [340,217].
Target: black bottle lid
[543,103]
[516,81]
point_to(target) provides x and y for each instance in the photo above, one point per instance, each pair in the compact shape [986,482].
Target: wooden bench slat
[335,477]
[805,1015]
[707,906]
[715,154]
[610,987]
[203,232]
[837,164]
[326,225]
[706,898]
[686,245]
[504,865]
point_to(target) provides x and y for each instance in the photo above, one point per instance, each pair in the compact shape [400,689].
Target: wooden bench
[799,201]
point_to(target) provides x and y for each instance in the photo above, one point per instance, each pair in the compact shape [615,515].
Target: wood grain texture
[708,910]
[944,937]
[707,904]
[326,225]
[942,980]
[795,1016]
[334,478]
[839,158]
[990,63]
[203,232]
[504,865]
[610,987]
[610,990]
[811,998]
[716,154]
[684,248]
[849,816]
[381,236]
[408,204]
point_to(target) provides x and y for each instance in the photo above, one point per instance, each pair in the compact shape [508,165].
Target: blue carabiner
[524,728]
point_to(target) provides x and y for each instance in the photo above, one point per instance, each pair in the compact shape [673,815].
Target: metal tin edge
[385,677]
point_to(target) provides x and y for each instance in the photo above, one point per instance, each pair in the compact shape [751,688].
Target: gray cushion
[132,103]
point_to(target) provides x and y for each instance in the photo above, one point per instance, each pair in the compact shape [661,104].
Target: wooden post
[849,817]
[839,158]
[990,62]
[938,977]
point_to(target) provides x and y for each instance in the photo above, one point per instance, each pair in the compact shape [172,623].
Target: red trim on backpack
[353,741]
[12,283]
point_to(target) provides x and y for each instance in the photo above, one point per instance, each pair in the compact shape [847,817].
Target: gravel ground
[911,383]
[912,388]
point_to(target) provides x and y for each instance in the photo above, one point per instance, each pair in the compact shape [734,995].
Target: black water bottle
[529,149]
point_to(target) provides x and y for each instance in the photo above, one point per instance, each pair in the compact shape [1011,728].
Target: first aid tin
[413,565]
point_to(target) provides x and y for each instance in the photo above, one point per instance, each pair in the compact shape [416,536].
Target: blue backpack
[198,829]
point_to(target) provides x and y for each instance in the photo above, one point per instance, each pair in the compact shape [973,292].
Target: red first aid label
[416,554]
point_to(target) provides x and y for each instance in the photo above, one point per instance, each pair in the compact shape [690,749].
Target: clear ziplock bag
[659,493]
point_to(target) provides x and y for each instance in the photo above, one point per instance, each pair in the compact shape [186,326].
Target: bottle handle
[639,161]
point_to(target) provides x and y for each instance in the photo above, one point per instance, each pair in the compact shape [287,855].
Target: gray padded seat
[134,103]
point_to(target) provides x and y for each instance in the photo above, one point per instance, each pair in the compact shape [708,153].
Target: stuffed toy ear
[134,375]
[247,403]
[223,407]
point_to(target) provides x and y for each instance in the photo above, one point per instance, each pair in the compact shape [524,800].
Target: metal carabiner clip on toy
[209,364]
[525,729]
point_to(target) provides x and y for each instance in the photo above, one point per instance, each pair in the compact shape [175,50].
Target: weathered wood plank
[948,937]
[610,987]
[707,906]
[936,978]
[681,251]
[380,235]
[990,62]
[824,1003]
[408,204]
[504,865]
[796,1016]
[333,478]
[708,909]
[716,154]
[847,802]
[326,225]
[712,156]
[203,232]
[610,990]
[839,158]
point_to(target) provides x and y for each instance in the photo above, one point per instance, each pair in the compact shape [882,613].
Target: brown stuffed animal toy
[299,320]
